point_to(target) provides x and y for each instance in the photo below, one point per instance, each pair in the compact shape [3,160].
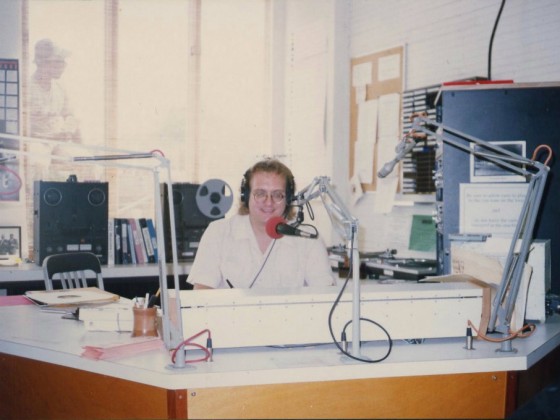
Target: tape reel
[214,198]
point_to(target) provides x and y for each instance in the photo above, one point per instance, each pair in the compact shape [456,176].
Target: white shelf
[33,272]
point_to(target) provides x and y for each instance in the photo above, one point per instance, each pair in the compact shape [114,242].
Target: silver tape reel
[214,198]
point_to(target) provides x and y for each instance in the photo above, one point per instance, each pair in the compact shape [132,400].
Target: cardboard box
[485,260]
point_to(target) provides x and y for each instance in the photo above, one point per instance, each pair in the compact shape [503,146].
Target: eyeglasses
[277,196]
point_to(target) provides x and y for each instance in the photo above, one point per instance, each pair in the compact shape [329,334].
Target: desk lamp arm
[172,332]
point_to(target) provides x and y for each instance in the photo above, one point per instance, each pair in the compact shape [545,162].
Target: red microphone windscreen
[271,227]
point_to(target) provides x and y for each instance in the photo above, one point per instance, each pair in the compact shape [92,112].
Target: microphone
[402,149]
[276,227]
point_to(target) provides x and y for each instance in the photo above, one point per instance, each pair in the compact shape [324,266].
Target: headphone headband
[245,188]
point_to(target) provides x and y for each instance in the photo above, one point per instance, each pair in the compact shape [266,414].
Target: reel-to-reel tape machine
[195,206]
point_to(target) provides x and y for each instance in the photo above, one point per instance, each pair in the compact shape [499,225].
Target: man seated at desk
[237,252]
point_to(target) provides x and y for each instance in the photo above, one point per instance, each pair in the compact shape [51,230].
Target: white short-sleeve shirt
[229,251]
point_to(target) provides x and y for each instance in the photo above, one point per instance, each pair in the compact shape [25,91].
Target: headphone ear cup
[290,190]
[244,190]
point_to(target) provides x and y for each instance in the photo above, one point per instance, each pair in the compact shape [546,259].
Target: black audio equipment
[70,217]
[195,206]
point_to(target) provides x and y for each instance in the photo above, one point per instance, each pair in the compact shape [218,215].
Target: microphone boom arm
[533,171]
[320,187]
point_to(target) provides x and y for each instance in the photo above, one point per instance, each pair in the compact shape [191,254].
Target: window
[187,77]
[136,99]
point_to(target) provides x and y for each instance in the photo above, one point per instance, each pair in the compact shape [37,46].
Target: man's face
[54,66]
[267,197]
[57,67]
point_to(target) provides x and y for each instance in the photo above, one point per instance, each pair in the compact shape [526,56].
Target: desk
[44,376]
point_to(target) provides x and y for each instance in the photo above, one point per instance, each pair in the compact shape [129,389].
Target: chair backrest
[70,269]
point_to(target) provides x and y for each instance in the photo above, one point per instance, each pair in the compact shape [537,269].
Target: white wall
[10,29]
[448,40]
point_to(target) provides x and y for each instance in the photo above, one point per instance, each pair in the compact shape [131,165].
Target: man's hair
[269,165]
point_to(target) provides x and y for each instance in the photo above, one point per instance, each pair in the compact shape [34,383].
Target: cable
[516,334]
[492,40]
[207,350]
[263,264]
[547,148]
[307,225]
[343,335]
[310,210]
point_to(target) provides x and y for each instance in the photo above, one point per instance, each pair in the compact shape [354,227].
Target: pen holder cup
[144,322]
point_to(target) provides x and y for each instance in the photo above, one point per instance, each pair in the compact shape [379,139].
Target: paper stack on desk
[113,351]
[117,316]
[71,297]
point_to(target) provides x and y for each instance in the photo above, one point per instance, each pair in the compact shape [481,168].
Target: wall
[448,40]
[10,12]
[11,214]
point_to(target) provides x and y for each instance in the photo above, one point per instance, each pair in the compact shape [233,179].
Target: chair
[70,269]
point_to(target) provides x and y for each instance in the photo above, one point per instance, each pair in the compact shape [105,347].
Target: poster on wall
[10,180]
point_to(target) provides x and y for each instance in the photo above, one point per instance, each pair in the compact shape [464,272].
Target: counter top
[27,331]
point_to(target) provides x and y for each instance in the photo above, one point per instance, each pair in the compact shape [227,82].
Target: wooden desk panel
[476,395]
[31,389]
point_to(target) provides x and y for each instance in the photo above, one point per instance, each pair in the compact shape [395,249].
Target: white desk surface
[34,272]
[27,331]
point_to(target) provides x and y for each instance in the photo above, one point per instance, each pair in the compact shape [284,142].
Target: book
[143,225]
[153,237]
[110,241]
[141,257]
[117,226]
[71,297]
[125,245]
[130,241]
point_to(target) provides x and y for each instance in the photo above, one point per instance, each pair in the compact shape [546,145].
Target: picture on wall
[482,170]
[10,242]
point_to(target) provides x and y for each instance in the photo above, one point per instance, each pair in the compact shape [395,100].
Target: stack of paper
[71,297]
[117,316]
[113,351]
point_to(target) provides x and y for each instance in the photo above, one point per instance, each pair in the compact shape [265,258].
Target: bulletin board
[386,68]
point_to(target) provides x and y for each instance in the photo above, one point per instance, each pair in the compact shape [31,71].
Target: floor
[544,405]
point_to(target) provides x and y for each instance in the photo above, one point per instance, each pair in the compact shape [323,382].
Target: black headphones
[246,188]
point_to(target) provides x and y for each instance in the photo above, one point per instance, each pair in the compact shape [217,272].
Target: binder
[153,237]
[147,242]
[138,242]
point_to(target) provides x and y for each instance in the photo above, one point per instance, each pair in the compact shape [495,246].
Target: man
[238,252]
[4,245]
[13,245]
[50,115]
